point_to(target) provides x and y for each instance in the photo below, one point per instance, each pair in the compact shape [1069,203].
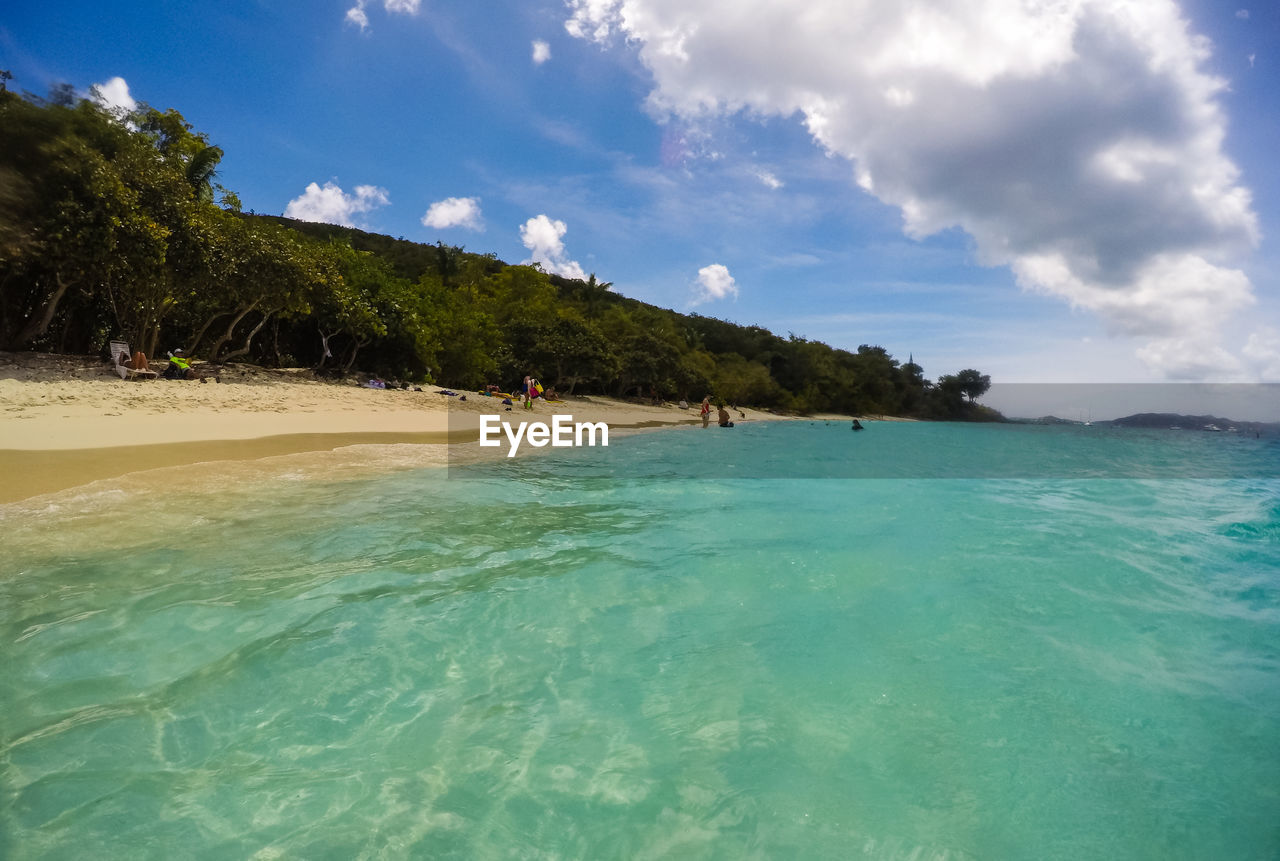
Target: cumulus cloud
[113,94]
[543,237]
[592,19]
[358,16]
[454,212]
[541,52]
[332,205]
[1077,141]
[714,282]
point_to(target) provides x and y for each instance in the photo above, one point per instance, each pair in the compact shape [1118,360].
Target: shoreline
[70,421]
[35,472]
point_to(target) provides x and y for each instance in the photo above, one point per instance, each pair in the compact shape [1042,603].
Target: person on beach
[180,369]
[528,392]
[723,415]
[706,411]
[137,363]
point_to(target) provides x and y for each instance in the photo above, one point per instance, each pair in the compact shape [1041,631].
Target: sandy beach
[66,421]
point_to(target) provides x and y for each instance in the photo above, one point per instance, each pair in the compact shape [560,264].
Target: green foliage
[109,227]
[741,381]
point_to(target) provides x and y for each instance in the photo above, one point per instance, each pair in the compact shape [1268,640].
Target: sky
[1045,190]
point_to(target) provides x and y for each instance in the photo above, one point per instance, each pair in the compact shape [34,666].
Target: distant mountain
[1046,420]
[1176,421]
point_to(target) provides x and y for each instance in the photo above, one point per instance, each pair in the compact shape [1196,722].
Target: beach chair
[118,347]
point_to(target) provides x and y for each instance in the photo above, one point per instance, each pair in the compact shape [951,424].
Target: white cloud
[542,236]
[454,212]
[1190,359]
[356,15]
[1078,141]
[714,282]
[113,94]
[541,52]
[1168,297]
[332,205]
[1242,14]
[1262,352]
[768,179]
[592,19]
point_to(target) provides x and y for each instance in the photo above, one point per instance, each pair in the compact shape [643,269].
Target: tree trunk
[156,312]
[39,322]
[200,334]
[324,342]
[355,348]
[226,336]
[152,340]
[248,341]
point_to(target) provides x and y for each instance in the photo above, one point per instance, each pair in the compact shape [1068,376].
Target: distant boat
[1213,428]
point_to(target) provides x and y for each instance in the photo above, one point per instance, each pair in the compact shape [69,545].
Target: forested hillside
[114,226]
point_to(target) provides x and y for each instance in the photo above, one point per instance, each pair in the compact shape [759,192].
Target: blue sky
[1067,191]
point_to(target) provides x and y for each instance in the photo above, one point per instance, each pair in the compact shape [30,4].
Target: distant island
[1170,421]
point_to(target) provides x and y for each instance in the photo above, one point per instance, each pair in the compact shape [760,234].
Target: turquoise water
[542,659]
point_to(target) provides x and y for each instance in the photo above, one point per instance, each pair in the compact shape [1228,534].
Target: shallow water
[543,659]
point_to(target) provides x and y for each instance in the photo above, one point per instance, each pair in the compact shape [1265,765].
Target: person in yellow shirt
[180,368]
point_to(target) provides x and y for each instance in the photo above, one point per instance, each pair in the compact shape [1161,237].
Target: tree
[464,332]
[357,302]
[741,381]
[571,351]
[646,361]
[201,170]
[972,384]
[93,231]
[277,276]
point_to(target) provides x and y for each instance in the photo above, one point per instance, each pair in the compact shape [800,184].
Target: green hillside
[115,227]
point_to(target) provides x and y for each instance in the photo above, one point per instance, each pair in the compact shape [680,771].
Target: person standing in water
[706,411]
